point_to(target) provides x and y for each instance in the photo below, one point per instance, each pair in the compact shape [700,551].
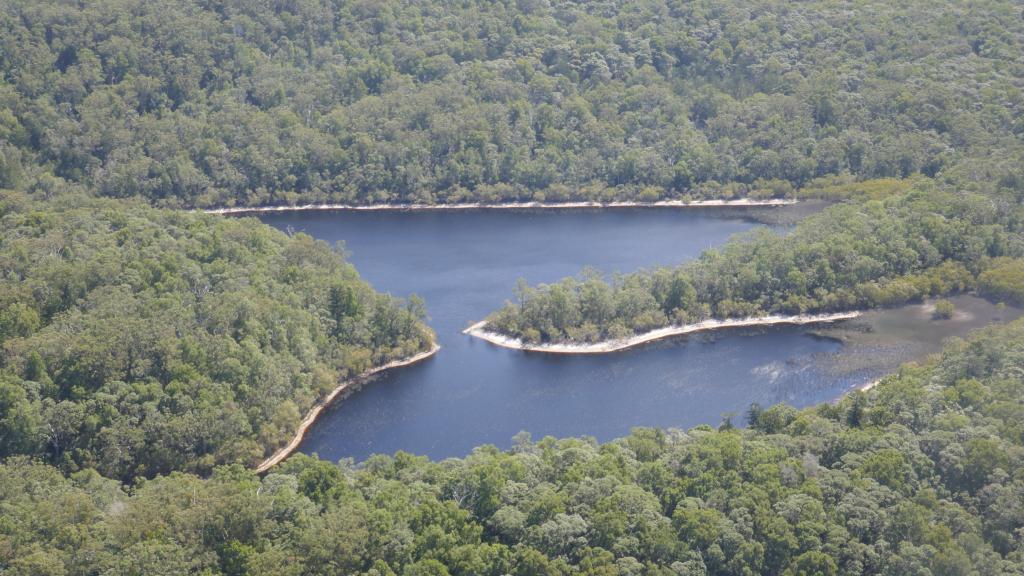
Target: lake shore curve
[318,408]
[478,331]
[739,203]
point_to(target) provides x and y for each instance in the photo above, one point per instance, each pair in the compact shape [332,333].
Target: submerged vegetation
[139,341]
[924,474]
[860,254]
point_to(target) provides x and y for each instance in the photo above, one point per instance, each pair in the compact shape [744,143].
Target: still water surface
[465,264]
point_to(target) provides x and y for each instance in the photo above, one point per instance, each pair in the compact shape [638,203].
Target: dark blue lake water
[465,264]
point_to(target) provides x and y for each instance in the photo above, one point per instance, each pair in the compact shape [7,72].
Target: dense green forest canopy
[149,357]
[918,242]
[234,102]
[922,475]
[139,341]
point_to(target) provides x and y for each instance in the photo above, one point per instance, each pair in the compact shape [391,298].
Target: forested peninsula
[480,330]
[139,341]
[916,242]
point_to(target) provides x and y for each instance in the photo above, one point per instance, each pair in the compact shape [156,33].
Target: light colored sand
[868,386]
[859,388]
[504,206]
[478,330]
[318,408]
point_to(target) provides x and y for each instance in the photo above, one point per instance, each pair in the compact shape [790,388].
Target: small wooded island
[152,356]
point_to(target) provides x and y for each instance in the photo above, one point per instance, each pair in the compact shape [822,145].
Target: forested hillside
[922,475]
[920,241]
[138,341]
[151,355]
[233,102]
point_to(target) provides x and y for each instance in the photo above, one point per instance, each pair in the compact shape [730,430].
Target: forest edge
[347,385]
[720,203]
[605,346]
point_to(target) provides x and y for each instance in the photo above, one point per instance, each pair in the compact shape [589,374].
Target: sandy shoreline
[743,202]
[317,408]
[477,330]
[867,386]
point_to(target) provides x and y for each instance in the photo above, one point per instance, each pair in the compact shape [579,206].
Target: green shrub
[1003,280]
[944,310]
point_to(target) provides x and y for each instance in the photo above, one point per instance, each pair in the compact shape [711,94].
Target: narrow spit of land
[743,202]
[479,330]
[345,386]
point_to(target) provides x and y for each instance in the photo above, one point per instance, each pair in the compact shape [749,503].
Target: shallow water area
[879,341]
[466,263]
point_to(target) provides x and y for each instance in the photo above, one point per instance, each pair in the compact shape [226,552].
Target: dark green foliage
[139,341]
[928,480]
[232,102]
[860,254]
